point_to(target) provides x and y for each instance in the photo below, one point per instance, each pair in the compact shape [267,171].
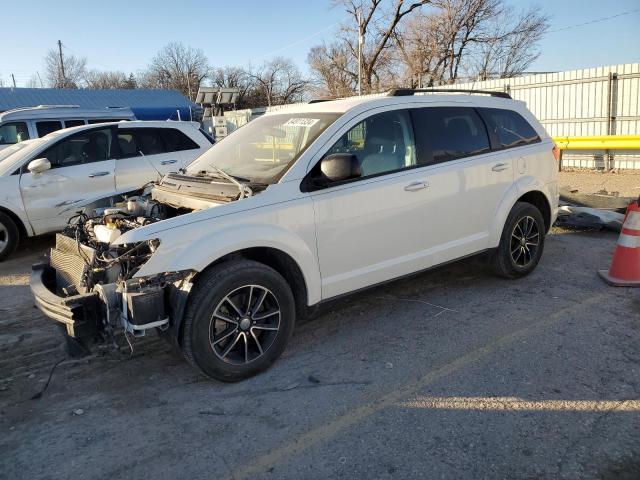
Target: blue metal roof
[145,103]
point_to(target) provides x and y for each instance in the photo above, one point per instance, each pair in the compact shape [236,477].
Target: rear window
[48,126]
[73,123]
[175,140]
[510,128]
[447,133]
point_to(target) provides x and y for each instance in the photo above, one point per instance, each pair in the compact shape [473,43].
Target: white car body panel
[44,202]
[358,234]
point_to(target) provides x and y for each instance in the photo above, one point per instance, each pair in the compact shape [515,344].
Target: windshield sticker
[301,122]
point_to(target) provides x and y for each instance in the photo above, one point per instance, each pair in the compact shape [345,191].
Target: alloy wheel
[244,324]
[4,237]
[525,240]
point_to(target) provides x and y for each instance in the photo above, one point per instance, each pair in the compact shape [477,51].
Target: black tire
[515,257]
[9,236]
[258,340]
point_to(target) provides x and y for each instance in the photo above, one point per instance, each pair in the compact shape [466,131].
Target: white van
[23,124]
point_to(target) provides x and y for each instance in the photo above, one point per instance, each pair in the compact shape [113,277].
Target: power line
[597,20]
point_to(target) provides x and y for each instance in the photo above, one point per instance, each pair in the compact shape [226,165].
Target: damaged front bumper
[133,306]
[78,313]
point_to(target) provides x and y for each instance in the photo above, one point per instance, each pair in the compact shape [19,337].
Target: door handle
[168,162]
[98,174]
[498,167]
[415,186]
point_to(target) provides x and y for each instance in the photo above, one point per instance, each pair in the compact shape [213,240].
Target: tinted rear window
[48,126]
[447,133]
[510,128]
[175,140]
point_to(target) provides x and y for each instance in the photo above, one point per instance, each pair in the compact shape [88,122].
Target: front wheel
[521,243]
[240,317]
[9,236]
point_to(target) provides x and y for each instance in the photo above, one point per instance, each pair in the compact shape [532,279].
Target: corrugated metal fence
[593,101]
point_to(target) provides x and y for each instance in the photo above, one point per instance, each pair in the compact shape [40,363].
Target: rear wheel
[9,236]
[240,317]
[521,243]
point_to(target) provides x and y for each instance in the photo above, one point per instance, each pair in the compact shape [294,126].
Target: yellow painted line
[519,404]
[331,428]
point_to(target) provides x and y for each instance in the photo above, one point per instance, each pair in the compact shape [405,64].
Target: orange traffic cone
[625,266]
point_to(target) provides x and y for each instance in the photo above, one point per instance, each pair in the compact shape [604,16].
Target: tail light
[556,152]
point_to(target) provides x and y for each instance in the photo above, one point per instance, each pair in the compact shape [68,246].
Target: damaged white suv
[299,206]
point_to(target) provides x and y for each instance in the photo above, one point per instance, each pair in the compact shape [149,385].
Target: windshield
[264,149]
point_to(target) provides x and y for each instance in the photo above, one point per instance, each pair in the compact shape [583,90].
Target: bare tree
[74,68]
[375,21]
[335,70]
[278,82]
[109,80]
[236,77]
[177,67]
[480,38]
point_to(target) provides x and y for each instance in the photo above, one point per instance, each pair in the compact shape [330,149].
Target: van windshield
[13,132]
[264,149]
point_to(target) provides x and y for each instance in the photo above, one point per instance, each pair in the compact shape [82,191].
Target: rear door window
[84,147]
[176,141]
[73,123]
[47,126]
[510,128]
[140,141]
[447,133]
[14,132]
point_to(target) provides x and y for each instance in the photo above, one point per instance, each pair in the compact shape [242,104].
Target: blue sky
[124,35]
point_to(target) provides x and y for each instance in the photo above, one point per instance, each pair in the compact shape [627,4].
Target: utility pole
[14,80]
[360,42]
[63,83]
[41,84]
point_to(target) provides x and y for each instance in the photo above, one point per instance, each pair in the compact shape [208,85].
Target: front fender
[519,188]
[200,250]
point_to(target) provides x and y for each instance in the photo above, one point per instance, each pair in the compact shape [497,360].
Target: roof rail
[320,100]
[405,92]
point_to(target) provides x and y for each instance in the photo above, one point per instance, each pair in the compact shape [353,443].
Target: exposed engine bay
[86,263]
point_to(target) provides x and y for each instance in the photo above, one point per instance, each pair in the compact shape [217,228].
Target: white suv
[298,207]
[43,182]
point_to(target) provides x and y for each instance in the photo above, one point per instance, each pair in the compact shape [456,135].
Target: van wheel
[521,243]
[9,236]
[240,317]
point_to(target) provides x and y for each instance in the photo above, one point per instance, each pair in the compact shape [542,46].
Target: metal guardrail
[602,142]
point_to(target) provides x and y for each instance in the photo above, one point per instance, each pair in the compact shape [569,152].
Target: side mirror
[338,167]
[39,165]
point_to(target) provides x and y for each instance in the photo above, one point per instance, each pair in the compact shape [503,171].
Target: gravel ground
[449,374]
[626,183]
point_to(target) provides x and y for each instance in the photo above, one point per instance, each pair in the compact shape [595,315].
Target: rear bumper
[79,313]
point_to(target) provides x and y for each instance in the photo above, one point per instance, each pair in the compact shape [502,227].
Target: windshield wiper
[245,191]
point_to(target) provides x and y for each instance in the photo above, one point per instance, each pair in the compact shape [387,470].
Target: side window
[48,126]
[510,128]
[140,141]
[14,132]
[73,123]
[382,143]
[84,147]
[176,141]
[447,133]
